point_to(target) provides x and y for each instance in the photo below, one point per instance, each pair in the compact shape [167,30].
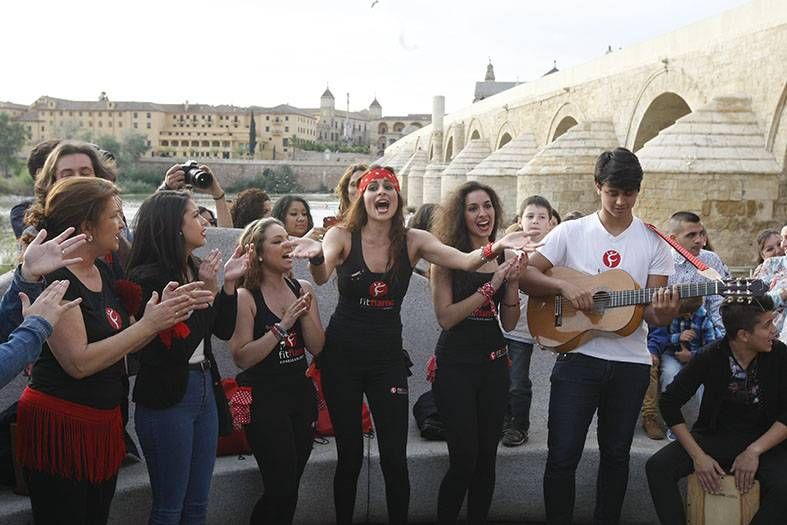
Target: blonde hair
[254,234]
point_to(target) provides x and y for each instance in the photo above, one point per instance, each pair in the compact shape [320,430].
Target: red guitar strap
[703,268]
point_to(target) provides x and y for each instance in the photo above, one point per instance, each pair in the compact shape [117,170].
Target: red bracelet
[488,291]
[487,254]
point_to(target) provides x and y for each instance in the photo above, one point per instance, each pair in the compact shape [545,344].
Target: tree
[252,136]
[12,137]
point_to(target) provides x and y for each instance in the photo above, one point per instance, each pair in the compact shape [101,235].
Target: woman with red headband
[373,255]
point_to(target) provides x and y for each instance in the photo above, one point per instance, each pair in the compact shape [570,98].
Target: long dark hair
[158,251]
[356,218]
[283,204]
[450,226]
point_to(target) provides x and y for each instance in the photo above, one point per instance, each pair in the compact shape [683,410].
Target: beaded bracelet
[278,331]
[488,291]
[487,253]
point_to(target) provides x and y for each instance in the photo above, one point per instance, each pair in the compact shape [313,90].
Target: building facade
[206,131]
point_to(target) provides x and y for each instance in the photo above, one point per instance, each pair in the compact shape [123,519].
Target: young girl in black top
[373,254]
[70,430]
[177,415]
[471,383]
[278,320]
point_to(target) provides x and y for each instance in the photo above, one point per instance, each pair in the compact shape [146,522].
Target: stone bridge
[703,107]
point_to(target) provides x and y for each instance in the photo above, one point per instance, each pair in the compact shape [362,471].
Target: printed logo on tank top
[376,300]
[290,349]
[483,313]
[113,318]
[611,258]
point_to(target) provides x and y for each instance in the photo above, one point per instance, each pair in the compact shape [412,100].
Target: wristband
[488,291]
[278,331]
[220,196]
[318,260]
[487,254]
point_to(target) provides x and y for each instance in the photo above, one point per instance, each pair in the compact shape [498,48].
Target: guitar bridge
[559,310]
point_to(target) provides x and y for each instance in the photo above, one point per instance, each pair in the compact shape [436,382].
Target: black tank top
[367,325]
[477,338]
[104,316]
[287,361]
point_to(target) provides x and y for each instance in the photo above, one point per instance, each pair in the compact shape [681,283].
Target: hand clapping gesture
[41,258]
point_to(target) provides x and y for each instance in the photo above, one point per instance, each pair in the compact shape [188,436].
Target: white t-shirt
[521,331]
[199,354]
[585,245]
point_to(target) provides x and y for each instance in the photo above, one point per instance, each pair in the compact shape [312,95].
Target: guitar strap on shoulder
[701,267]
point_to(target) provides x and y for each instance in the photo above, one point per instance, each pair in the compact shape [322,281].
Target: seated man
[742,423]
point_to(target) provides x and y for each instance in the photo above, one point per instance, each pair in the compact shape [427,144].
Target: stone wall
[313,175]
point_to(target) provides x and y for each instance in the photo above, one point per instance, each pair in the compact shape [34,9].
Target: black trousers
[671,463]
[60,501]
[472,402]
[281,434]
[385,386]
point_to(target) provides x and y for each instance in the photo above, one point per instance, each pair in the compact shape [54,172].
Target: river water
[322,205]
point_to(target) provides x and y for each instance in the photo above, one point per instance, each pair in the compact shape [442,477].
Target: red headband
[377,173]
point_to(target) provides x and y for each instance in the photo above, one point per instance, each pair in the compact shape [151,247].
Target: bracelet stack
[278,331]
[488,291]
[487,253]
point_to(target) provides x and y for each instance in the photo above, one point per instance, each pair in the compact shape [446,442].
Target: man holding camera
[201,180]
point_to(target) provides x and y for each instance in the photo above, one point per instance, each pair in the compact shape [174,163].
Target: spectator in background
[347,187]
[534,218]
[250,205]
[207,214]
[22,339]
[35,161]
[574,214]
[769,244]
[555,220]
[175,179]
[422,219]
[294,212]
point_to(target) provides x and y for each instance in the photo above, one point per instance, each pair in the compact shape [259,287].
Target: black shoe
[513,437]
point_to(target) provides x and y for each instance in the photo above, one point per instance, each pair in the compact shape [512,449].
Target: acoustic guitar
[619,304]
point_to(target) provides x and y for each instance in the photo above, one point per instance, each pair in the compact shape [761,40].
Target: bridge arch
[566,117]
[449,149]
[504,136]
[664,81]
[660,114]
[475,131]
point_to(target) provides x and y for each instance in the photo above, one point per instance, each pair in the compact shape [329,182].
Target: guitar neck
[645,295]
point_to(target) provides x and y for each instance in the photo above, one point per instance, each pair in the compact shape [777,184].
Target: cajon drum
[730,507]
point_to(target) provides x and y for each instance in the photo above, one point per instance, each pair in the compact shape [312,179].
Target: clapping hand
[41,258]
[48,304]
[237,266]
[297,309]
[209,270]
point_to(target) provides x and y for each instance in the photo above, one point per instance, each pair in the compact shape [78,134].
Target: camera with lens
[194,176]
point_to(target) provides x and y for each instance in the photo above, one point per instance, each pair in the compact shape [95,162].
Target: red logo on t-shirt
[113,318]
[611,259]
[291,340]
[378,289]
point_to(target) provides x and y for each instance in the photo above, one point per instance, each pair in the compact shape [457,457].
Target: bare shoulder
[246,299]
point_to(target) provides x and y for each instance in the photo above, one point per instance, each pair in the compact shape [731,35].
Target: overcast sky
[265,53]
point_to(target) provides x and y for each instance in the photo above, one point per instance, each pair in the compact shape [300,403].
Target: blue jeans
[520,396]
[580,386]
[670,367]
[179,444]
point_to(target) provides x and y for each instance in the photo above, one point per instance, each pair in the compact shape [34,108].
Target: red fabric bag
[324,426]
[239,399]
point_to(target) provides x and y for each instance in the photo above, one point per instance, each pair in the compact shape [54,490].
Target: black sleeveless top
[104,316]
[287,361]
[367,325]
[477,338]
